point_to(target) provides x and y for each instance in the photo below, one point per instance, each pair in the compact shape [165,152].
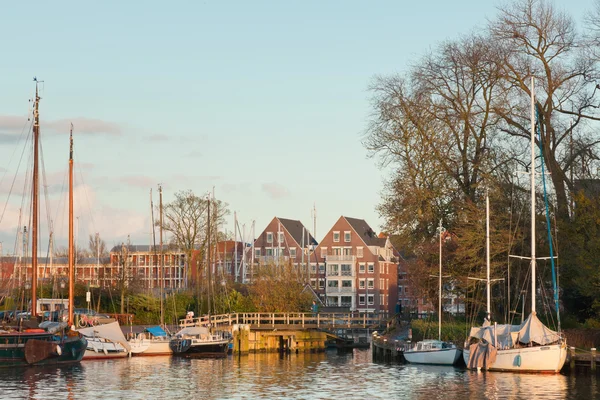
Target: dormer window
[269,237]
[336,237]
[347,236]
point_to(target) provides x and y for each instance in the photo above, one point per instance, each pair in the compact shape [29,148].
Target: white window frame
[293,252]
[362,268]
[361,283]
[361,300]
[370,283]
[371,299]
[281,237]
[257,252]
[347,237]
[269,237]
[336,236]
[371,268]
[347,280]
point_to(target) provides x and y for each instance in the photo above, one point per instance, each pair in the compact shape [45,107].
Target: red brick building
[284,241]
[354,268]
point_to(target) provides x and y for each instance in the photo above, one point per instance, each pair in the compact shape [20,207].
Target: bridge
[296,321]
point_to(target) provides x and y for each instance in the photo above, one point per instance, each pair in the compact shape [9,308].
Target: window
[346,301]
[256,252]
[321,268]
[313,268]
[399,290]
[269,252]
[361,300]
[371,299]
[332,283]
[359,252]
[381,299]
[336,237]
[361,268]
[323,252]
[269,237]
[293,252]
[313,283]
[281,237]
[361,283]
[347,284]
[402,276]
[337,251]
[332,301]
[371,268]
[346,270]
[370,283]
[321,283]
[333,270]
[347,251]
[381,283]
[347,236]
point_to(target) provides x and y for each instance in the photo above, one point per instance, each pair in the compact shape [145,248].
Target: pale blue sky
[264,100]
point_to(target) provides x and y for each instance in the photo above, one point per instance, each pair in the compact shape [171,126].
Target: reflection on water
[269,376]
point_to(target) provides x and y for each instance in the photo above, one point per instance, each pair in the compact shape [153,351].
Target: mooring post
[593,361]
[572,358]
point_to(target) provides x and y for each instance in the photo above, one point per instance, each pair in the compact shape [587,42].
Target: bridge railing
[302,320]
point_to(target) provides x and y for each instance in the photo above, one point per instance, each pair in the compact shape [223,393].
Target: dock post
[593,361]
[572,358]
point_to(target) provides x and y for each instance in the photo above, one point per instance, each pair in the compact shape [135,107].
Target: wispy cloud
[139,181]
[275,190]
[158,138]
[84,125]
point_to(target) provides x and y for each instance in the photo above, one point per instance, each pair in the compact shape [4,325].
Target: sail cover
[111,331]
[156,331]
[533,331]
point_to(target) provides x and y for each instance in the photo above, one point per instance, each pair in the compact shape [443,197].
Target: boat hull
[13,349]
[433,357]
[536,359]
[190,348]
[150,348]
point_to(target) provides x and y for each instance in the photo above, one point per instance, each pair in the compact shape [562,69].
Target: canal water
[326,375]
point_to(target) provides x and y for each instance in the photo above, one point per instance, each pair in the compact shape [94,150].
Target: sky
[264,102]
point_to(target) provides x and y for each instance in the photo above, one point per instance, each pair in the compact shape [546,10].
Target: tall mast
[532,196]
[161,271]
[487,246]
[440,289]
[71,250]
[35,205]
[208,254]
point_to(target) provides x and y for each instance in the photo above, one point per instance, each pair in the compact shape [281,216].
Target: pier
[292,332]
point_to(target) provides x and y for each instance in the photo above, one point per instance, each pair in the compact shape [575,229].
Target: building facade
[353,268]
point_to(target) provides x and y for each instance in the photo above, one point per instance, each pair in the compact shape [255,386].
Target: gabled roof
[366,233]
[295,229]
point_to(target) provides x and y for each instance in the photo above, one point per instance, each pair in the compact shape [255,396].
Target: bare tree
[537,40]
[97,246]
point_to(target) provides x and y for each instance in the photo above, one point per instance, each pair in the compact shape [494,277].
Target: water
[268,376]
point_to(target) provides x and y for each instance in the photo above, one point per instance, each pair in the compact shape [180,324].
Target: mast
[487,246]
[208,255]
[71,252]
[161,271]
[532,196]
[35,205]
[440,289]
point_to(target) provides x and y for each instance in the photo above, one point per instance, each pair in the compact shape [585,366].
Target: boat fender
[105,351]
[141,336]
[58,350]
[518,360]
[32,330]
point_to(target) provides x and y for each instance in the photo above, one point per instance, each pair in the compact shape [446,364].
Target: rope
[554,285]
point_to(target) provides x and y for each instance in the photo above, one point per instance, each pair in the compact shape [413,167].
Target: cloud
[12,123]
[82,125]
[139,181]
[158,138]
[194,154]
[275,191]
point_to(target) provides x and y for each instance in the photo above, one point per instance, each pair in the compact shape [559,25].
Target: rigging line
[28,122]
[556,304]
[15,177]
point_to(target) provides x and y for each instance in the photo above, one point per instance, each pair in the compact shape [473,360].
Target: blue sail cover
[156,331]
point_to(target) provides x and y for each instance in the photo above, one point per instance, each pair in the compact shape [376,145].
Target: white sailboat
[531,346]
[105,341]
[432,351]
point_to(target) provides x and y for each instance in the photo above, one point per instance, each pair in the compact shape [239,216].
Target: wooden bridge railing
[290,320]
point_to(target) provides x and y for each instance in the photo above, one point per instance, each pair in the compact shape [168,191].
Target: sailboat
[431,351]
[487,320]
[49,343]
[530,346]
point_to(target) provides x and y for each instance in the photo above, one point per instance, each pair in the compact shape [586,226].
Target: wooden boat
[48,343]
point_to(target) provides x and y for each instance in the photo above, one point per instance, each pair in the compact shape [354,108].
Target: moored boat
[154,341]
[105,341]
[199,341]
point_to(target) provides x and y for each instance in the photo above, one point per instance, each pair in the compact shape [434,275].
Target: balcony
[340,258]
[273,259]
